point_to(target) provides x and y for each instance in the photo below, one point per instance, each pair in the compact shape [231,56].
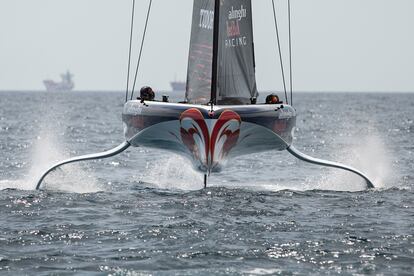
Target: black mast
[215,52]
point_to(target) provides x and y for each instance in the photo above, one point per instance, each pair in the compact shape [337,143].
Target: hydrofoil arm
[326,163]
[101,155]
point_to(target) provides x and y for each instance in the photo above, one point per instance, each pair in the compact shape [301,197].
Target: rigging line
[280,52]
[142,45]
[290,55]
[130,49]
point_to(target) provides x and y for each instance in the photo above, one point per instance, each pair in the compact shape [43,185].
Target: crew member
[146,94]
[273,99]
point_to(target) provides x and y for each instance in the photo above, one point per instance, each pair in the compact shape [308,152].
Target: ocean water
[144,212]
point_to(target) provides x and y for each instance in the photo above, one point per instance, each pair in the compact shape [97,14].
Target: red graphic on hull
[197,130]
[209,145]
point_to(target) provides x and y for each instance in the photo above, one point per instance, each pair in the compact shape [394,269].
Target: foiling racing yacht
[220,117]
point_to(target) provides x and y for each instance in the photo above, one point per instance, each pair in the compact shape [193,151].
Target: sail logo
[206,19]
[237,14]
[233,28]
[234,36]
[236,42]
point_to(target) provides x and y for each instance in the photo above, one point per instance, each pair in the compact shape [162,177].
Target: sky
[338,45]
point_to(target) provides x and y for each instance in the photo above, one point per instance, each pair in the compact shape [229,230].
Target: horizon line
[171,91]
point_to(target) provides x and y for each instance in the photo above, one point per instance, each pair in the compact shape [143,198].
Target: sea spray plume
[371,155]
[376,159]
[172,172]
[46,150]
[71,178]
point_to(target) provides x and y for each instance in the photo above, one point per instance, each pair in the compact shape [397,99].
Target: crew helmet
[146,93]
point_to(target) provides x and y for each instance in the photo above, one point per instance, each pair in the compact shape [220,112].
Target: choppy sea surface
[145,212]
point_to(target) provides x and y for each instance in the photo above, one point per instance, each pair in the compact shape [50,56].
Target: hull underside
[209,138]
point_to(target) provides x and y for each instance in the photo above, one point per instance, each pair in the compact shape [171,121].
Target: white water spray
[173,172]
[370,156]
[46,151]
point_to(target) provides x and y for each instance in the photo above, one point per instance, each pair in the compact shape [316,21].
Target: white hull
[208,138]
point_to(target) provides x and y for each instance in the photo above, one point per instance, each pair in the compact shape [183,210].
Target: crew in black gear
[146,94]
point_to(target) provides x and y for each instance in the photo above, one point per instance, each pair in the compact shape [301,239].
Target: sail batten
[225,74]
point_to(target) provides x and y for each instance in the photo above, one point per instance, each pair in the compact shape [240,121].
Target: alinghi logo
[237,14]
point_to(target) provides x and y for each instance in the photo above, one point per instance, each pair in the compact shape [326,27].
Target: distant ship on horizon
[178,85]
[65,85]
